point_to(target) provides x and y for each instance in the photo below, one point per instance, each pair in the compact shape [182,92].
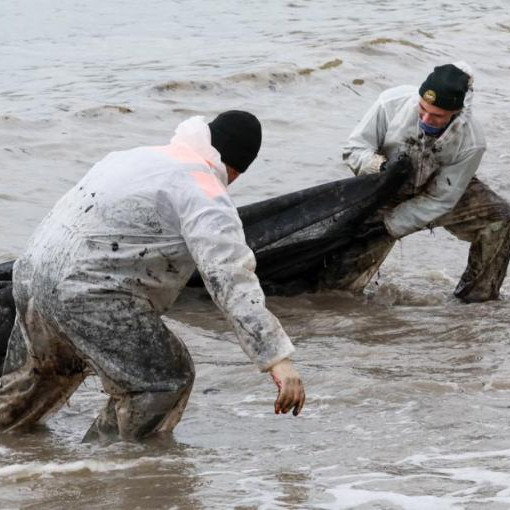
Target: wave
[175,86]
[38,469]
[270,78]
[502,27]
[402,42]
[460,481]
[9,119]
[104,111]
[350,496]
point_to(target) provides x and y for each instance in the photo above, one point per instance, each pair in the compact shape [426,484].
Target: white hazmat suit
[107,261]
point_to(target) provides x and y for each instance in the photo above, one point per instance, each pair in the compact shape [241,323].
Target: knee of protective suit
[142,414]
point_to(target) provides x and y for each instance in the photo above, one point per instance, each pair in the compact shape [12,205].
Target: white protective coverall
[108,260]
[441,192]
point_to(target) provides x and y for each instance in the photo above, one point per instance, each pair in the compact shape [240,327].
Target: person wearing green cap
[435,126]
[111,258]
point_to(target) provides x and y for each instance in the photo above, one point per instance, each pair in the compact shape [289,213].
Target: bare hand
[291,393]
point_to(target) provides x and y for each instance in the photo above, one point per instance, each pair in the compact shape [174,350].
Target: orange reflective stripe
[181,153]
[209,184]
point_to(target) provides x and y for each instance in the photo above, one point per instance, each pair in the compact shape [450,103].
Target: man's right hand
[398,160]
[291,392]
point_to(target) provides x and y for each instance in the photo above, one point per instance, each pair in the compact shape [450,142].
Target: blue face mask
[430,130]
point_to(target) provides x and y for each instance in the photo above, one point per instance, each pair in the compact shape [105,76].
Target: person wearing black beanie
[120,246]
[237,136]
[445,87]
[434,125]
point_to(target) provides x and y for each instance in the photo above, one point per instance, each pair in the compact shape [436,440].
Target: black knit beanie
[446,87]
[237,136]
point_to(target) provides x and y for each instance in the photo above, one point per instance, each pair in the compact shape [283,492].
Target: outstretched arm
[214,236]
[440,197]
[361,152]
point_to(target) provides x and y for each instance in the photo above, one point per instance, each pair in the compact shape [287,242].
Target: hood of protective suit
[194,135]
[468,99]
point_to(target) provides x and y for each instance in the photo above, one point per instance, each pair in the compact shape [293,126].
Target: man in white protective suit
[112,256]
[435,126]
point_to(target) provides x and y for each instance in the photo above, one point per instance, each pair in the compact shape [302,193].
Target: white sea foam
[40,469]
[437,275]
[354,493]
[483,477]
[349,497]
[421,459]
[468,485]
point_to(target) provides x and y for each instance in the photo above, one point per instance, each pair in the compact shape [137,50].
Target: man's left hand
[291,393]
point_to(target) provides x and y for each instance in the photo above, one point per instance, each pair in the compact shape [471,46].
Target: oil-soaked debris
[331,64]
[88,208]
[426,34]
[115,246]
[403,42]
[101,111]
[210,390]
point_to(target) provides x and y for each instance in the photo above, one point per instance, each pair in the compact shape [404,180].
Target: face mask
[430,130]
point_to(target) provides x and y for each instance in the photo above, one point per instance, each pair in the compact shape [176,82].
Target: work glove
[291,393]
[400,159]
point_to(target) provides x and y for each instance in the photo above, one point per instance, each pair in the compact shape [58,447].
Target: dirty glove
[291,393]
[401,159]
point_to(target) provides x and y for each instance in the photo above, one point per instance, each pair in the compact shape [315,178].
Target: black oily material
[348,202]
[292,235]
[7,308]
[6,271]
[7,315]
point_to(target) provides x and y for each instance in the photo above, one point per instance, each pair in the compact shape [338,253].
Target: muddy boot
[132,417]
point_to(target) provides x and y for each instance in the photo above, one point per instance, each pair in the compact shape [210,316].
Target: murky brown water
[408,390]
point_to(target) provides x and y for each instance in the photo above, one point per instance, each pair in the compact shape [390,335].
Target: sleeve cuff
[265,364]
